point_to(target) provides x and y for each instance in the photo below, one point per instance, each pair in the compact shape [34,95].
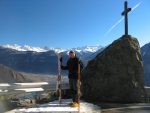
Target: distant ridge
[8,75]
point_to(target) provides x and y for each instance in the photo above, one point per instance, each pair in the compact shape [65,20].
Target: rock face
[145,50]
[116,74]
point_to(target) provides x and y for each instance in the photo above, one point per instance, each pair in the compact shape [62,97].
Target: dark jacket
[72,67]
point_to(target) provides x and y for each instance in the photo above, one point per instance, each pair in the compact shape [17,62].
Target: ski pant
[74,89]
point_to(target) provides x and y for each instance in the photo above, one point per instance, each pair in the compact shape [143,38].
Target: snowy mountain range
[41,60]
[45,49]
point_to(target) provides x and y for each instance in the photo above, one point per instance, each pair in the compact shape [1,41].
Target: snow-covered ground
[55,107]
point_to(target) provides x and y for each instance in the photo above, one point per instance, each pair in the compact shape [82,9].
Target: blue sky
[70,23]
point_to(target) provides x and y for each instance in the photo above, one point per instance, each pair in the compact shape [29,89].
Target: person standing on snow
[72,67]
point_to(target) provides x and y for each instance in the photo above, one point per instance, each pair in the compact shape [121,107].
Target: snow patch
[144,53]
[55,107]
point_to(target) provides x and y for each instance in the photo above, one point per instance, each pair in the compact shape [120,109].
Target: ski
[58,87]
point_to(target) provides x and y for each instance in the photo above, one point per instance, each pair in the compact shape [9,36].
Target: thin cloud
[120,20]
[136,6]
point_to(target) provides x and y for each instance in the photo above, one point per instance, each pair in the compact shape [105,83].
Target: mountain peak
[88,48]
[44,49]
[23,48]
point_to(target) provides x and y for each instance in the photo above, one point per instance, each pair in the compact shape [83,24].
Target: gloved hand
[60,59]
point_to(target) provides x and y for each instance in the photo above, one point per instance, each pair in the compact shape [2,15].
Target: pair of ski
[58,87]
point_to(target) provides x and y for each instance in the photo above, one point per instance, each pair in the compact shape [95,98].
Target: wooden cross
[125,13]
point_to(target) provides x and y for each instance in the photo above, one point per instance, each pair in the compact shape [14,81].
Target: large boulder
[116,74]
